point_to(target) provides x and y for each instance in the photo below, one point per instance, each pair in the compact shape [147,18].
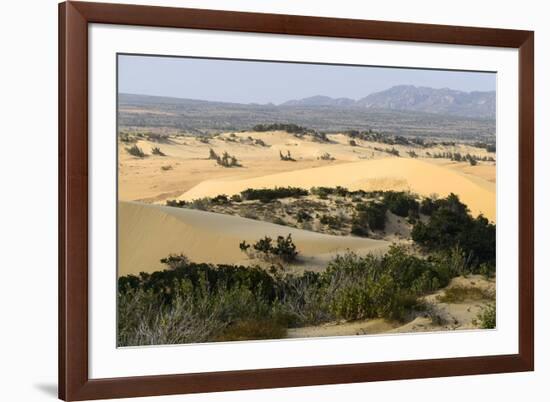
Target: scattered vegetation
[391,151]
[458,157]
[190,302]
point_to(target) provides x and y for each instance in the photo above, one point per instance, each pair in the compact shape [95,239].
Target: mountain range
[400,110]
[445,101]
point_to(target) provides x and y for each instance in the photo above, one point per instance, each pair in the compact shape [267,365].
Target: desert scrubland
[189,203]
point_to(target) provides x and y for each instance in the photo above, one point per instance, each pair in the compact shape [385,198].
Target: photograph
[268,200]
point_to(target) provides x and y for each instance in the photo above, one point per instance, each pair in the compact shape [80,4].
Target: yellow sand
[381,174]
[148,233]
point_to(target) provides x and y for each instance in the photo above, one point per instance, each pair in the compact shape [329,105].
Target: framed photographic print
[260,200]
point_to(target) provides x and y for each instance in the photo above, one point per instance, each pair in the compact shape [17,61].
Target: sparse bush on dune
[260,142]
[326,157]
[157,151]
[286,157]
[225,160]
[166,167]
[213,155]
[136,151]
[284,250]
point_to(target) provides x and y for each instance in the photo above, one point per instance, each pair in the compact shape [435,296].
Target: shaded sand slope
[382,174]
[148,233]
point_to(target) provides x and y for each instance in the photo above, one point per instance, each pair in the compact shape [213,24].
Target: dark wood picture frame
[74,382]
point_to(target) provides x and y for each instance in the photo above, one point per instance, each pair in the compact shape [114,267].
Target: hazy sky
[264,82]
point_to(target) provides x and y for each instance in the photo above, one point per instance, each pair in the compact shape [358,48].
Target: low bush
[268,195]
[303,216]
[326,157]
[371,215]
[487,318]
[284,250]
[401,203]
[157,151]
[136,151]
[226,160]
[286,157]
[334,222]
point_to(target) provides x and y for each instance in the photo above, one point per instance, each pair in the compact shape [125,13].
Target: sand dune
[148,233]
[382,174]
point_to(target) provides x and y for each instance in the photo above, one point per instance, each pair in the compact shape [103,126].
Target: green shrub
[326,157]
[136,151]
[226,160]
[236,198]
[268,195]
[303,216]
[284,249]
[451,225]
[488,317]
[371,215]
[157,151]
[286,157]
[333,222]
[401,203]
[213,155]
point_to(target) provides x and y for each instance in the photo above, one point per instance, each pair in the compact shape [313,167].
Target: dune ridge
[381,174]
[148,233]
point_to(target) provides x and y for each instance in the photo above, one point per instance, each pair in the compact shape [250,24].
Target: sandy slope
[148,233]
[380,174]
